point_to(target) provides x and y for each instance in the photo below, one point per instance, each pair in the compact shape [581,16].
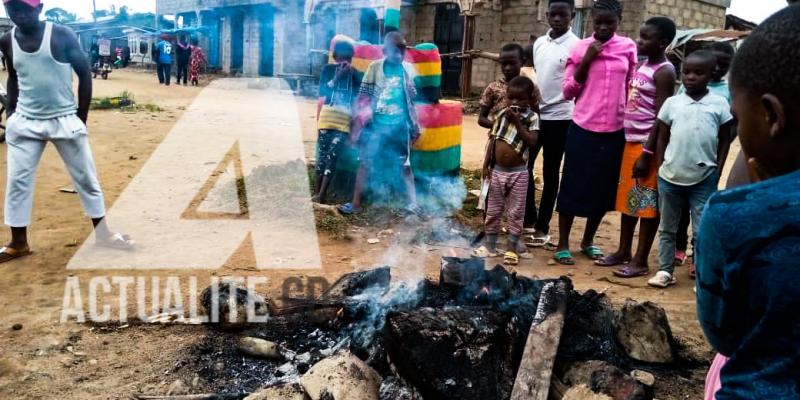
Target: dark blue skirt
[592,162]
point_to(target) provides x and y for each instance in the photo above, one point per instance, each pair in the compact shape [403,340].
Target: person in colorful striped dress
[637,195]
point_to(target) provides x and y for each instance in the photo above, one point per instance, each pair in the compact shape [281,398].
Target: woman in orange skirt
[637,193]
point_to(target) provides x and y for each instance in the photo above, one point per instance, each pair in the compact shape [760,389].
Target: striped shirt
[507,132]
[640,113]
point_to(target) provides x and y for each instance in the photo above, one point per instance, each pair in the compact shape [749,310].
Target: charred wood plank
[536,369]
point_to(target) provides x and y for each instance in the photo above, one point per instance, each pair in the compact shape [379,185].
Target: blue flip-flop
[348,209]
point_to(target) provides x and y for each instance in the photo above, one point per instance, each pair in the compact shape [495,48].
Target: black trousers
[183,72]
[164,73]
[552,139]
[682,238]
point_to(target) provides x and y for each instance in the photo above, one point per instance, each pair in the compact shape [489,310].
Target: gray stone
[582,392]
[284,392]
[643,331]
[644,377]
[607,379]
[259,348]
[177,388]
[342,377]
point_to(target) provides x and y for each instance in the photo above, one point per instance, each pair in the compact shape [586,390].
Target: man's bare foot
[12,252]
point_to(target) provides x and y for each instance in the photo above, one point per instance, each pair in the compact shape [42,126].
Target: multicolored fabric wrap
[392,17]
[438,150]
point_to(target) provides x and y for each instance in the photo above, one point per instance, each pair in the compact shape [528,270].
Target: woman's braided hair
[608,5]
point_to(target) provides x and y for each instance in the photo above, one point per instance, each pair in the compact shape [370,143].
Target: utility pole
[94,12]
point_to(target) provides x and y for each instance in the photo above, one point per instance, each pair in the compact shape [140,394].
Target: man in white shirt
[550,53]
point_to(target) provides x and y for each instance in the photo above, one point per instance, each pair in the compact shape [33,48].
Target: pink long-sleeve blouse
[600,101]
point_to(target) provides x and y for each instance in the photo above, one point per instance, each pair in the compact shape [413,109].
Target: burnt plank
[536,368]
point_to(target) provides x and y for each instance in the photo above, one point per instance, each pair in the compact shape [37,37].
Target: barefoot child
[338,88]
[693,127]
[41,59]
[749,238]
[515,130]
[637,196]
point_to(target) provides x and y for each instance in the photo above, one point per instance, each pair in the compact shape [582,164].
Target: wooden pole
[467,45]
[94,13]
[536,369]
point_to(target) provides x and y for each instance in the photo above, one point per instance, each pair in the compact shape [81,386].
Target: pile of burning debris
[476,334]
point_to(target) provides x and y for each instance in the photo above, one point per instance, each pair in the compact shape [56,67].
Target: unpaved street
[47,359]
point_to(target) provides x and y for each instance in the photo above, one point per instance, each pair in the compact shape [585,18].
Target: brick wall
[515,21]
[687,14]
[690,14]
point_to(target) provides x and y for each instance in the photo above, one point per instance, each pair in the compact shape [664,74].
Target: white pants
[26,140]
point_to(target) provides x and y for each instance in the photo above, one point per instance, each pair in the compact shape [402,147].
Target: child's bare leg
[564,229]
[361,178]
[322,189]
[647,235]
[592,225]
[411,188]
[627,230]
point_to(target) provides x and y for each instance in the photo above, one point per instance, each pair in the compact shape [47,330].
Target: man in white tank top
[41,58]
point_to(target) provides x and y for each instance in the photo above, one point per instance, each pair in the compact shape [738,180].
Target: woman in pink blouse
[599,69]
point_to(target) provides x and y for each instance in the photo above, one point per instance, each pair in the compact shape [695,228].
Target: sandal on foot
[593,252]
[525,256]
[538,241]
[629,272]
[510,258]
[550,247]
[348,209]
[611,261]
[8,254]
[564,257]
[117,241]
[484,252]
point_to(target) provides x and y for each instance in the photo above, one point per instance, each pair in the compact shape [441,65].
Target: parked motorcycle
[102,67]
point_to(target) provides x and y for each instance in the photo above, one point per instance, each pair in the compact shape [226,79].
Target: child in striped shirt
[514,131]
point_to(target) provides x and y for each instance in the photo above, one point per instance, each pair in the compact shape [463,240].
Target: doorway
[448,35]
[237,42]
[266,63]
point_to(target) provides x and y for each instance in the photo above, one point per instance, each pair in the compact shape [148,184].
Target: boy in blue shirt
[749,239]
[694,130]
[164,60]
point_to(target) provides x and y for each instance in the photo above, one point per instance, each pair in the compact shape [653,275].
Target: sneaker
[662,280]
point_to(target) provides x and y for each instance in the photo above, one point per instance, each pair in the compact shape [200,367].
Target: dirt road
[47,359]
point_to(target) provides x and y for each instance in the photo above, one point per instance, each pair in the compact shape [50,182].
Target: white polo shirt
[550,60]
[691,154]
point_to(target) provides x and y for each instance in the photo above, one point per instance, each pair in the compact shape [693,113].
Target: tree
[60,15]
[124,13]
